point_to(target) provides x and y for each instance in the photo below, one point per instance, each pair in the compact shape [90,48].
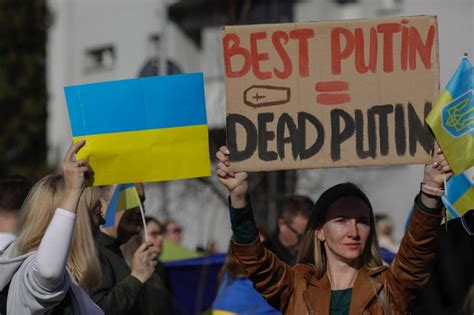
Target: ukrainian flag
[140,130]
[452,119]
[459,196]
[123,198]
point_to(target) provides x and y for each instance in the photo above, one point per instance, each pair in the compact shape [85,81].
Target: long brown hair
[36,214]
[311,250]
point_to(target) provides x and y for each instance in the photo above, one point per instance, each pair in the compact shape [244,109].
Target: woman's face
[346,229]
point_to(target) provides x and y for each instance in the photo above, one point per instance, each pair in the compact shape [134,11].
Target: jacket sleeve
[410,268]
[115,298]
[271,277]
[28,295]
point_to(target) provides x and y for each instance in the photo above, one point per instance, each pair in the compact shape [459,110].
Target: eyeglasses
[292,229]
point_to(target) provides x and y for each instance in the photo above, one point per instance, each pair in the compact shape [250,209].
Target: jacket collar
[109,242]
[366,286]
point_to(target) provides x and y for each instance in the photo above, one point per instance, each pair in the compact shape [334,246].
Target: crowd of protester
[325,257]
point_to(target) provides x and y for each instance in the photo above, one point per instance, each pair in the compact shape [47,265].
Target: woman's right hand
[236,183]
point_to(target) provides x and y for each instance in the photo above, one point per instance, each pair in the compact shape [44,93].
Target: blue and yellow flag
[459,196]
[140,130]
[452,119]
[123,198]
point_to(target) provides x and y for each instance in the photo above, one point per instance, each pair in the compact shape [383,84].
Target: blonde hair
[37,213]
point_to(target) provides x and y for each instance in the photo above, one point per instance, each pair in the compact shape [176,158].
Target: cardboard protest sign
[330,94]
[140,130]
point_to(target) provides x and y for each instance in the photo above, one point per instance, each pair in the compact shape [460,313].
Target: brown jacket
[296,290]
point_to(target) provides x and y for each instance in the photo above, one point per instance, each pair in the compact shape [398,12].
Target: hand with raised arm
[74,173]
[236,183]
[55,245]
[433,179]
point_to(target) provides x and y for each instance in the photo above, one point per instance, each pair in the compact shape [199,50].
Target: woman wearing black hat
[339,269]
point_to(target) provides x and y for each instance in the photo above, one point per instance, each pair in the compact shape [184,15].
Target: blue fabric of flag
[151,103]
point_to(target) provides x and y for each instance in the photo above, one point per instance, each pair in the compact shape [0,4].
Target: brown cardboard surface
[330,94]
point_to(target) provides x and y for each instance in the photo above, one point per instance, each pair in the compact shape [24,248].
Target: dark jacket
[453,271]
[121,293]
[296,290]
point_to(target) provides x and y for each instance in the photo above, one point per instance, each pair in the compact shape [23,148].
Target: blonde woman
[53,260]
[339,269]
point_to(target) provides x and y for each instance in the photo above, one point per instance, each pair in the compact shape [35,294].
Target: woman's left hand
[435,173]
[74,171]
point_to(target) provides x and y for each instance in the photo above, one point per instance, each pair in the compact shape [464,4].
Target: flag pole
[145,230]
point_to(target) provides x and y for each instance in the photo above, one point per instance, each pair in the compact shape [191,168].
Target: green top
[340,301]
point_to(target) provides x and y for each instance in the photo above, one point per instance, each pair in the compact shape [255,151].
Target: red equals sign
[328,95]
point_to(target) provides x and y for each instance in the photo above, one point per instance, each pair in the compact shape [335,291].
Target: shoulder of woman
[303,270]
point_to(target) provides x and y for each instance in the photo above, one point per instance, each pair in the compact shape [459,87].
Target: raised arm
[270,276]
[236,183]
[54,248]
[409,269]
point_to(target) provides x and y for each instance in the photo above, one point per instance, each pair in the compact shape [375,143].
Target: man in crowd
[291,223]
[13,191]
[124,289]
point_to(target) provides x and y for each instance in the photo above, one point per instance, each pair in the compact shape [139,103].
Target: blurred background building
[98,40]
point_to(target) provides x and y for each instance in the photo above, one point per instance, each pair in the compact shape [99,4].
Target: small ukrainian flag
[124,197]
[452,119]
[141,130]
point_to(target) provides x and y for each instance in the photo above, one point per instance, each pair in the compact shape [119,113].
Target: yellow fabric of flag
[452,119]
[128,199]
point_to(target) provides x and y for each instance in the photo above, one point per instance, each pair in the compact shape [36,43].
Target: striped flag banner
[141,130]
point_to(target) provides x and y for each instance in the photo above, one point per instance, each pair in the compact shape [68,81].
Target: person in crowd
[384,229]
[173,231]
[124,289]
[155,234]
[291,223]
[339,269]
[451,286]
[236,293]
[13,191]
[159,280]
[52,263]
[235,287]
